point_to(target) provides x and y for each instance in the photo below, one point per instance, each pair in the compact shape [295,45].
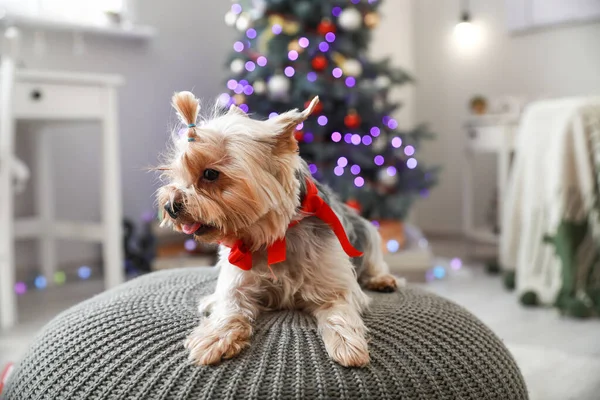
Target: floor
[559,357]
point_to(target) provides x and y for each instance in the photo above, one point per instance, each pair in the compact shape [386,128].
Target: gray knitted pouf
[127,344]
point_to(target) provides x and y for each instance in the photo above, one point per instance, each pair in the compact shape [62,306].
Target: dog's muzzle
[174,209]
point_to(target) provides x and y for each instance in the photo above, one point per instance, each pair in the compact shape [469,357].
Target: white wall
[562,61]
[394,38]
[188,53]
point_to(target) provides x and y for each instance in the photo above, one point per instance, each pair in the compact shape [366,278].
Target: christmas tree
[290,51]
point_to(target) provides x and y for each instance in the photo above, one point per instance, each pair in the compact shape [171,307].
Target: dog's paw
[384,283]
[209,344]
[347,347]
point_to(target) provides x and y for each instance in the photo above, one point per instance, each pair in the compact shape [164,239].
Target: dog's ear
[187,107]
[235,110]
[285,127]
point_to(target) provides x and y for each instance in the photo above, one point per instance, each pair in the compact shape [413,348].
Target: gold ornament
[371,20]
[239,98]
[294,45]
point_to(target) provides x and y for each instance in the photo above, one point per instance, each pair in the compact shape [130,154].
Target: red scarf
[312,206]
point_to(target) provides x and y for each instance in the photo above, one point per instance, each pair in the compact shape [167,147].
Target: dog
[286,241]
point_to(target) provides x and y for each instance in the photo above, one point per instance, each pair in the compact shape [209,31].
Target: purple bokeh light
[293,55]
[355,139]
[276,29]
[324,46]
[375,224]
[250,66]
[355,1]
[231,84]
[239,89]
[359,181]
[311,76]
[375,131]
[248,90]
[330,37]
[355,169]
[337,72]
[396,142]
[273,115]
[411,163]
[251,33]
[303,42]
[225,99]
[350,81]
[20,288]
[309,137]
[313,168]
[339,171]
[238,46]
[262,61]
[379,160]
[386,119]
[236,8]
[336,136]
[392,124]
[322,120]
[289,71]
[391,170]
[409,150]
[300,126]
[456,264]
[348,138]
[424,193]
[342,162]
[336,11]
[244,107]
[190,245]
[367,140]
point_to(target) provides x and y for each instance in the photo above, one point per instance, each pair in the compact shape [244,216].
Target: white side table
[51,96]
[492,134]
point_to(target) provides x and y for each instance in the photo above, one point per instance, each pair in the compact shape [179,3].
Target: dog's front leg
[227,331]
[343,332]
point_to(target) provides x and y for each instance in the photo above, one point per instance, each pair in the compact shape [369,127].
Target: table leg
[45,205]
[8,303]
[111,197]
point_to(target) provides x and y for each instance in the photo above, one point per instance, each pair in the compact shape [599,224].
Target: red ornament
[318,108]
[319,63]
[325,27]
[352,120]
[299,135]
[353,203]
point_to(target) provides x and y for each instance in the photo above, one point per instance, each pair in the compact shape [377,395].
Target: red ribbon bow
[312,206]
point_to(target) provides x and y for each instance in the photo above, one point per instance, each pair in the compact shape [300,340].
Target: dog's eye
[211,174]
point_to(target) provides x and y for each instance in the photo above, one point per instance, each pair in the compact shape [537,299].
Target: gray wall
[187,54]
[562,61]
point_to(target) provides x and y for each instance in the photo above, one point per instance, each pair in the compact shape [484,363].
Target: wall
[562,61]
[188,53]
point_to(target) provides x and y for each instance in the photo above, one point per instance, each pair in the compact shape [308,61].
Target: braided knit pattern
[127,343]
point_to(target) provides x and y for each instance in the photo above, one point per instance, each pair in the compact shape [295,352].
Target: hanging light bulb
[465,32]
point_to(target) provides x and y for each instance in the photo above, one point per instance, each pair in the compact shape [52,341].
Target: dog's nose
[174,209]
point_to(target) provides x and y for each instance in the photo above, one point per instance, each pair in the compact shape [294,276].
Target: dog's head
[231,177]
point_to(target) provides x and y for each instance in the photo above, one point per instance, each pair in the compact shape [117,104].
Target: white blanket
[553,182]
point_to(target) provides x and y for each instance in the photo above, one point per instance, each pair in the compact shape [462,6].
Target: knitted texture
[127,343]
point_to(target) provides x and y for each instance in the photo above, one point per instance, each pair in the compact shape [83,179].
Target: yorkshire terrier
[286,241]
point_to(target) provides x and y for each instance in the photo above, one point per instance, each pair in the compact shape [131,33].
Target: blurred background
[465,130]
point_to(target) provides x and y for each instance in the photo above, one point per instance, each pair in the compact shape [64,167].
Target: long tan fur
[257,194]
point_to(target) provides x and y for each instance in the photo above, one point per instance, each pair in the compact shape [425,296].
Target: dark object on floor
[492,266]
[139,250]
[127,343]
[509,280]
[529,298]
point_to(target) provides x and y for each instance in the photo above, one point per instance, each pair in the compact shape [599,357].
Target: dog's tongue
[190,228]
